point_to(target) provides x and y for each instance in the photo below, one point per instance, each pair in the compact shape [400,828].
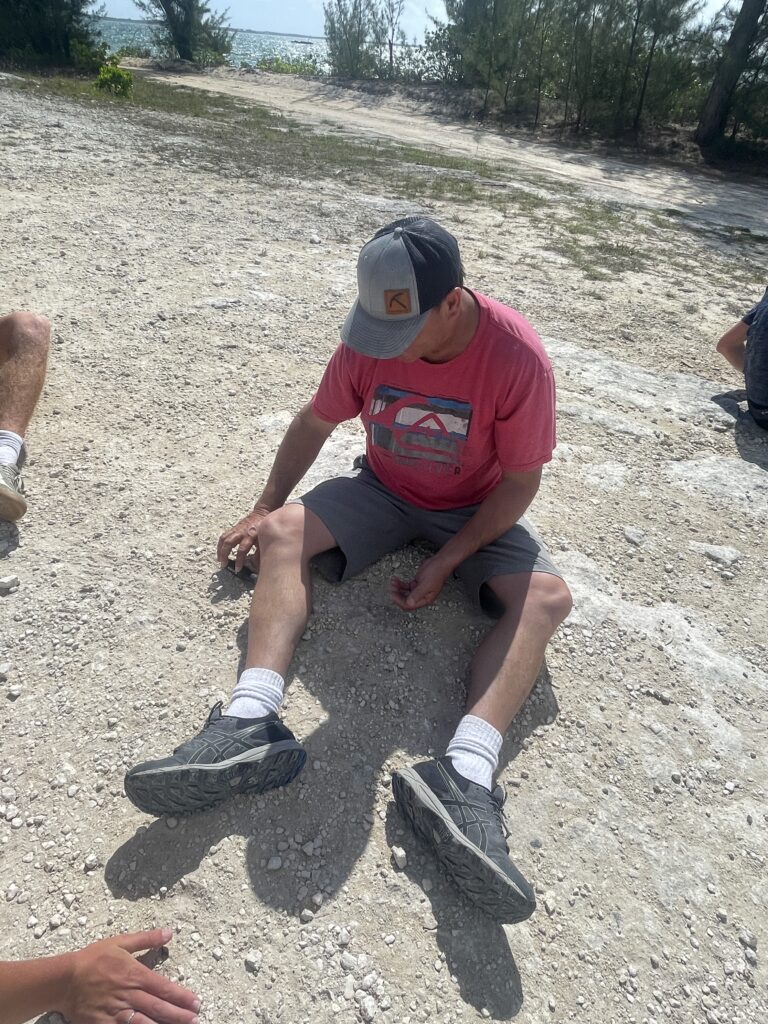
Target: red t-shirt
[440,434]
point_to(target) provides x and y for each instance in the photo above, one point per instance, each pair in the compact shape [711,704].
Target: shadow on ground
[751,440]
[324,819]
[475,947]
[9,538]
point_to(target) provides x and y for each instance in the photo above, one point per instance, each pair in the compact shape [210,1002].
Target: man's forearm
[298,450]
[32,987]
[499,512]
[732,345]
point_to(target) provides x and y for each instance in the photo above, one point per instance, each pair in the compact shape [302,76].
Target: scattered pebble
[634,536]
[368,1008]
[399,857]
[253,961]
[8,584]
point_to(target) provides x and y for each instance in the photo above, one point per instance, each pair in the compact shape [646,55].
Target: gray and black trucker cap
[406,270]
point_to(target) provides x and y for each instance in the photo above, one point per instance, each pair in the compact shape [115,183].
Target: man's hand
[107,984]
[243,536]
[424,588]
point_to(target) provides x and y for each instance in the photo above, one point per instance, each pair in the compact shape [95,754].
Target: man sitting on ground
[457,397]
[24,341]
[745,346]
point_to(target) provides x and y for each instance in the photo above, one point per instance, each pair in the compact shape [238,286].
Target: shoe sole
[12,504]
[474,874]
[189,788]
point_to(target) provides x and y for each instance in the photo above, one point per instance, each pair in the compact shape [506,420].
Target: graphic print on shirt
[417,428]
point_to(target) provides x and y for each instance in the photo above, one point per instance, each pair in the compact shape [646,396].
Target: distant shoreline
[251,31]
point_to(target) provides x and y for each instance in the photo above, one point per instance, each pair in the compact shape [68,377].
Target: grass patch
[601,259]
[244,139]
[234,138]
[147,94]
[592,239]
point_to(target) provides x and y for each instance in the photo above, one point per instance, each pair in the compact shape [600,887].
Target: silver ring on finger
[130,1017]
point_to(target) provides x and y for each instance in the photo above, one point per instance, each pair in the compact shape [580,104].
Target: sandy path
[704,197]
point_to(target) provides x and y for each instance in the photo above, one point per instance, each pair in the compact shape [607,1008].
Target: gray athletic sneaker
[462,822]
[13,504]
[230,755]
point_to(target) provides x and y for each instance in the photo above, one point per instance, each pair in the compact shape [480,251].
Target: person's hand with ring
[100,984]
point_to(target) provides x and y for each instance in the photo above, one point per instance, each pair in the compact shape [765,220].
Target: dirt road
[706,197]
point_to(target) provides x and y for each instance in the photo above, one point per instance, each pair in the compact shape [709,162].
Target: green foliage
[278,65]
[606,65]
[133,51]
[352,32]
[87,57]
[209,59]
[442,54]
[188,30]
[114,80]
[612,66]
[50,33]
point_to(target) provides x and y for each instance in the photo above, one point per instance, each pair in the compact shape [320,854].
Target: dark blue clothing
[756,358]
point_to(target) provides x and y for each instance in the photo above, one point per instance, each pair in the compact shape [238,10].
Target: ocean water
[247,47]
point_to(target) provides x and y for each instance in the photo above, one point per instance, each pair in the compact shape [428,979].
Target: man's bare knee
[540,596]
[552,597]
[296,531]
[28,333]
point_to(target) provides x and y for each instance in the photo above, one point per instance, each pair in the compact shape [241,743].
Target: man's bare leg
[508,661]
[282,598]
[238,752]
[448,801]
[24,342]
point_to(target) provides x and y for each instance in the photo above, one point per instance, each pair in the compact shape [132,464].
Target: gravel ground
[193,312]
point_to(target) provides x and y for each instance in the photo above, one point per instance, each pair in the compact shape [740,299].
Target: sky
[302,17]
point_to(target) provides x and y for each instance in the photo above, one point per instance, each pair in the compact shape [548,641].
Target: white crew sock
[10,447]
[474,750]
[259,692]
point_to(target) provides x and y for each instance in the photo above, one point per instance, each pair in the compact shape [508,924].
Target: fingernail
[195,1008]
[167,934]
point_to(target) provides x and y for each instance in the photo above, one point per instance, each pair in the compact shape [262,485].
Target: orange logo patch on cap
[397,302]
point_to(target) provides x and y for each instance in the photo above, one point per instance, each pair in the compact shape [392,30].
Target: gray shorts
[368,521]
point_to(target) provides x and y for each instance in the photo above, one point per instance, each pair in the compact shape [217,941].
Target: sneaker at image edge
[13,504]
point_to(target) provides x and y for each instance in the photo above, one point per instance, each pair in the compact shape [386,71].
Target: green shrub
[209,59]
[115,80]
[279,66]
[132,51]
[87,56]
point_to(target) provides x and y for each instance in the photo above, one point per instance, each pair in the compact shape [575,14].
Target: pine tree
[189,29]
[736,52]
[53,32]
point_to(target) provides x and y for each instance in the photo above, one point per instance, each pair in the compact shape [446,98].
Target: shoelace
[498,813]
[10,476]
[214,714]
